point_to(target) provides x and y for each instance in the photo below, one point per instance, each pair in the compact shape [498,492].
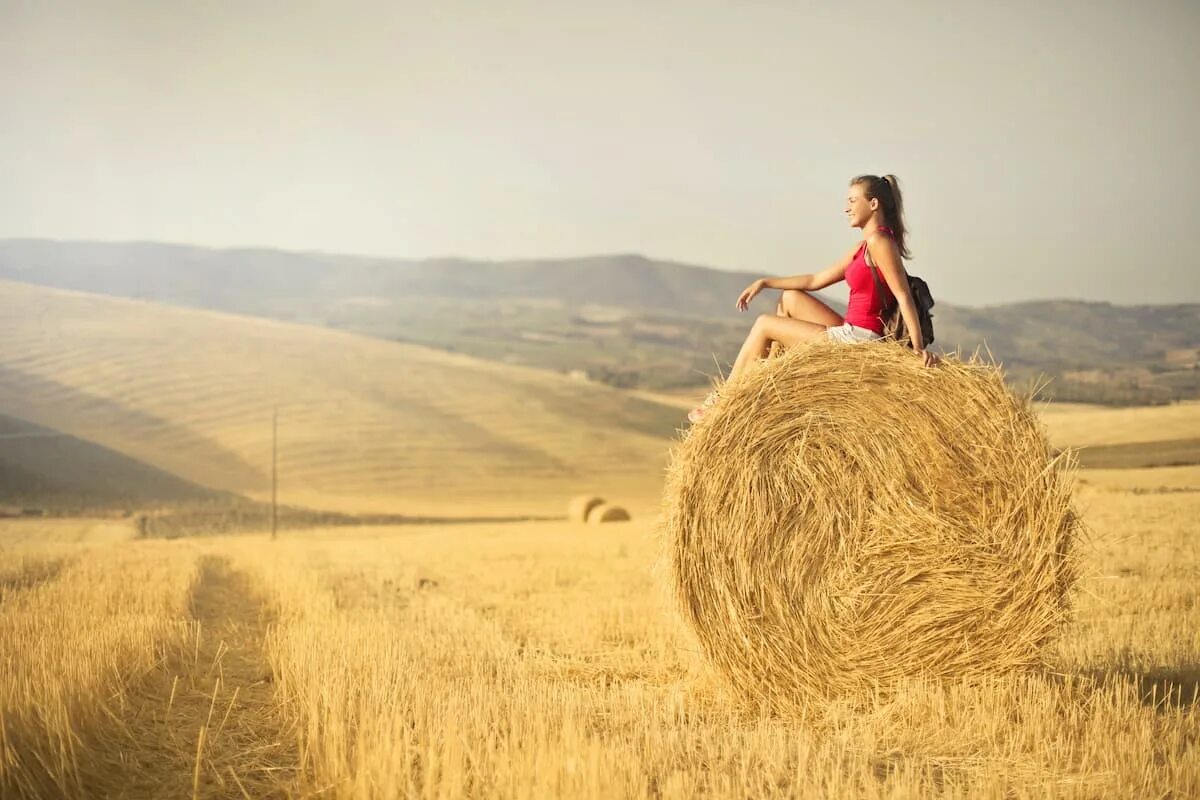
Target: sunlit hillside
[363,424]
[1077,426]
[42,468]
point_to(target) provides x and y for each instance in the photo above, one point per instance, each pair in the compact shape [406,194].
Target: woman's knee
[789,301]
[799,304]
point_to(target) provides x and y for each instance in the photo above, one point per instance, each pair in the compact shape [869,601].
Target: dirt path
[207,725]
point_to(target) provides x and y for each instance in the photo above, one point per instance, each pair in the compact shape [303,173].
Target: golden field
[543,659]
[501,659]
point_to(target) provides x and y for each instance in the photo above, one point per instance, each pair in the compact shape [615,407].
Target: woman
[874,205]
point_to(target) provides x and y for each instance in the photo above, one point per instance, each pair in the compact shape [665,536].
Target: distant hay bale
[579,507]
[607,513]
[845,517]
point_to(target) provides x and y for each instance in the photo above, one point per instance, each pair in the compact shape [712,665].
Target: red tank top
[867,303]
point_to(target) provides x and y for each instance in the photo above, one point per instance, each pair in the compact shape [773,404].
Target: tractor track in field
[207,724]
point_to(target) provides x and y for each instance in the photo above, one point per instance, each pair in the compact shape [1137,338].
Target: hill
[40,468]
[623,319]
[250,279]
[365,425]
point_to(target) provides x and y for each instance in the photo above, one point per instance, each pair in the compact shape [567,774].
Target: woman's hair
[887,191]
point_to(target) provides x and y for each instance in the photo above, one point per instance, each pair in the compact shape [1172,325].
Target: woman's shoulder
[880,238]
[879,242]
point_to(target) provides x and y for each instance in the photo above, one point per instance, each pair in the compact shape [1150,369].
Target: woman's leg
[798,317]
[768,328]
[774,348]
[799,304]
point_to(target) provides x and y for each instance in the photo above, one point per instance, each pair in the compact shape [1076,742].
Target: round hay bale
[845,517]
[607,513]
[579,507]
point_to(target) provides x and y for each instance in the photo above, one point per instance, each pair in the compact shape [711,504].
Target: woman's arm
[819,280]
[808,283]
[886,257]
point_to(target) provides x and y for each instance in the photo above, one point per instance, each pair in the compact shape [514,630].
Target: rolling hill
[623,319]
[40,467]
[364,425]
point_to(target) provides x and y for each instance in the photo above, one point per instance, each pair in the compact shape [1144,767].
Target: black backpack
[893,322]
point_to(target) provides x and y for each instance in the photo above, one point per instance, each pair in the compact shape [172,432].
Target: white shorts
[851,334]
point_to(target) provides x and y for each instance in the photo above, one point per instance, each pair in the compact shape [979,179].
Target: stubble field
[544,660]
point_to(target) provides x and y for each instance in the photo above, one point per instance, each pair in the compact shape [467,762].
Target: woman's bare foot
[697,413]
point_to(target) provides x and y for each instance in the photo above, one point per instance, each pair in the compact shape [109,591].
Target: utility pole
[274,472]
[275,456]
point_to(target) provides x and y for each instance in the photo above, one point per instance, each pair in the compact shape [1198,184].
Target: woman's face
[858,208]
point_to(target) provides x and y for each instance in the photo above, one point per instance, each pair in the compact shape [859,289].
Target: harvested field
[1076,425]
[541,664]
[1134,455]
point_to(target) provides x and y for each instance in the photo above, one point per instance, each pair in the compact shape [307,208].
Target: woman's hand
[753,289]
[929,358]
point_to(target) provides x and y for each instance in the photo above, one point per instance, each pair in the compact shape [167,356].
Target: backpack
[893,322]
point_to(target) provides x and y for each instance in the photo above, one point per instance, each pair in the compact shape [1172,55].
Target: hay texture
[607,513]
[580,507]
[845,517]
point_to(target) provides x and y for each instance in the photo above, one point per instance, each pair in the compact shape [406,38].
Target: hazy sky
[1045,149]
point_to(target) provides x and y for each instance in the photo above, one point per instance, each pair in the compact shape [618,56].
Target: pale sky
[1046,150]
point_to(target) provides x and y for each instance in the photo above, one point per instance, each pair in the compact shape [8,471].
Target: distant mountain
[625,319]
[241,279]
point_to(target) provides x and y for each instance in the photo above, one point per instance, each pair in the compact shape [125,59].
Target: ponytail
[887,191]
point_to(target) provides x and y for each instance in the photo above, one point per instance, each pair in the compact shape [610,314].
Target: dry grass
[826,540]
[543,665]
[75,639]
[547,666]
[38,532]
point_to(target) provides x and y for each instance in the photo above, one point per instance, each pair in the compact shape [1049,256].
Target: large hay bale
[845,517]
[579,507]
[607,513]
